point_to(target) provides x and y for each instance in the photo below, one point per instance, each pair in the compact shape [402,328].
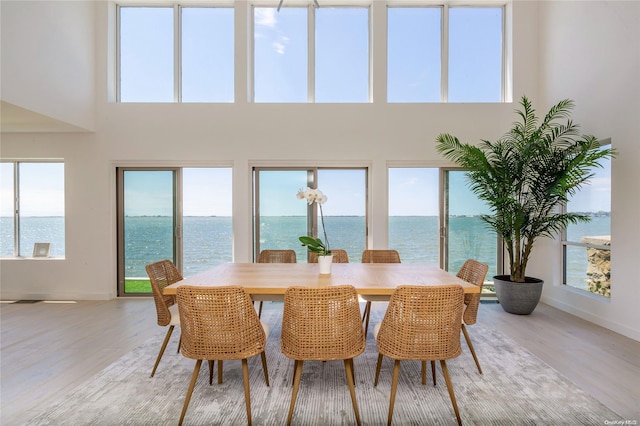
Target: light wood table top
[271,280]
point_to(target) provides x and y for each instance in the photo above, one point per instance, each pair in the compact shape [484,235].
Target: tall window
[280,217]
[294,63]
[31,207]
[434,218]
[182,214]
[200,70]
[280,55]
[587,246]
[469,69]
[414,214]
[413,54]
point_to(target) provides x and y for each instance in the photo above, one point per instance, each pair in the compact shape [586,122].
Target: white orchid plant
[315,244]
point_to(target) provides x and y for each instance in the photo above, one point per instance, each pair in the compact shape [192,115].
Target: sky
[281,58]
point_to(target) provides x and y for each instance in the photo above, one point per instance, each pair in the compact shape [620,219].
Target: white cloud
[265,17]
[279,47]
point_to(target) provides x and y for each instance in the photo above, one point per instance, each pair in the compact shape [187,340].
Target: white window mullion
[444,65]
[16,210]
[177,55]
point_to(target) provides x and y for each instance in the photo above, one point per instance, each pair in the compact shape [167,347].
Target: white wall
[243,135]
[590,52]
[48,58]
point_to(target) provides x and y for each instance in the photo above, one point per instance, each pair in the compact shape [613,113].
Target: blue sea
[207,241]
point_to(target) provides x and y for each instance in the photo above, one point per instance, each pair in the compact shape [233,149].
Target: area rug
[516,389]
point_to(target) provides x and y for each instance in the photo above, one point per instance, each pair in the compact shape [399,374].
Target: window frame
[17,209]
[177,45]
[566,243]
[311,50]
[445,48]
[314,227]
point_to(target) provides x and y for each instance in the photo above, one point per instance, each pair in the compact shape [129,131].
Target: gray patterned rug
[516,389]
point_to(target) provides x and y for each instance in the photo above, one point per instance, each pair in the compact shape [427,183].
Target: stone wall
[599,265]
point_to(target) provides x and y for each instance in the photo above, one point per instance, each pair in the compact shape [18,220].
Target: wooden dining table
[269,281]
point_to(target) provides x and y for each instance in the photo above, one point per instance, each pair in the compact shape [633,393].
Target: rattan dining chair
[220,323]
[275,256]
[162,274]
[421,323]
[322,324]
[376,256]
[339,256]
[474,272]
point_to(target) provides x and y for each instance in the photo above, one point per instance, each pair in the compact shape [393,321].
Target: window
[200,70]
[181,214]
[37,215]
[468,69]
[280,217]
[280,55]
[207,54]
[294,63]
[413,54]
[414,219]
[435,218]
[587,246]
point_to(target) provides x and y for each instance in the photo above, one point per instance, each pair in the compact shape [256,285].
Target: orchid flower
[316,245]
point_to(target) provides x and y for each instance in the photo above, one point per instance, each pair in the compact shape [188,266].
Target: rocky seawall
[599,265]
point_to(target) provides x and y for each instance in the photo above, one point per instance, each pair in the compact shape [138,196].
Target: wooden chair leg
[366,321]
[295,367]
[260,309]
[394,387]
[192,384]
[433,371]
[264,367]
[162,348]
[211,362]
[348,366]
[294,394]
[378,365]
[424,372]
[219,372]
[247,394]
[367,306]
[353,371]
[473,352]
[179,343]
[447,379]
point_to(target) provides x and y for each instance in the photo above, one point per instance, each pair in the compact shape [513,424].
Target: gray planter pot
[518,298]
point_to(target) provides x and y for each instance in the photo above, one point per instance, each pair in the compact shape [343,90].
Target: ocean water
[207,241]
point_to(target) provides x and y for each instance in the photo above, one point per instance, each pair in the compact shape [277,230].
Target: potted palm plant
[525,177]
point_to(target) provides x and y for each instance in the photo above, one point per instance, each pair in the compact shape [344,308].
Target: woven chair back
[162,274]
[474,272]
[219,323]
[339,256]
[277,256]
[422,323]
[321,323]
[380,256]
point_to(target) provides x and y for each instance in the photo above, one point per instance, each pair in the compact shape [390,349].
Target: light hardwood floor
[48,349]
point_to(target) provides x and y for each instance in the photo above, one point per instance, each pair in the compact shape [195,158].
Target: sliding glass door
[280,217]
[180,214]
[147,219]
[464,235]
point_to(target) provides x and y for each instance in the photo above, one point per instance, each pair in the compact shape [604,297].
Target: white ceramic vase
[324,264]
